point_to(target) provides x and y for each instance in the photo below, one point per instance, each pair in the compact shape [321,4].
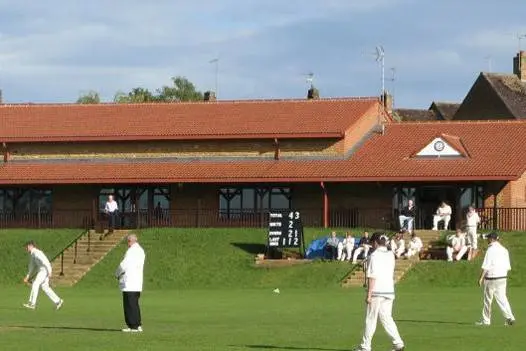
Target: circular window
[439,146]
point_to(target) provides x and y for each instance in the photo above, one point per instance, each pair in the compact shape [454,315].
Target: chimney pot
[313,94]
[209,96]
[519,65]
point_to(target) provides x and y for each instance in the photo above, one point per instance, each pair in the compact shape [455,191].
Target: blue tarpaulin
[315,249]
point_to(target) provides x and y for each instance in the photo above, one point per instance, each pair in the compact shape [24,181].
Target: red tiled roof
[496,152]
[456,143]
[196,120]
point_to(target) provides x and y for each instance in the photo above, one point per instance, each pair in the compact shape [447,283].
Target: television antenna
[380,58]
[309,77]
[216,73]
[489,58]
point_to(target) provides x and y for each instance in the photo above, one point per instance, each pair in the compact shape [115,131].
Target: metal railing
[74,243]
[505,219]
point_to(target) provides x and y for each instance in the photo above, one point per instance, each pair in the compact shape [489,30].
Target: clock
[439,146]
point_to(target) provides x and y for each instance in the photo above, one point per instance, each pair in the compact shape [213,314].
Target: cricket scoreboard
[285,229]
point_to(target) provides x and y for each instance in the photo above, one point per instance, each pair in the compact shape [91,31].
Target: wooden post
[325,206]
[495,212]
[276,149]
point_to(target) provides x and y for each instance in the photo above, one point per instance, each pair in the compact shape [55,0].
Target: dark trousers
[132,311]
[112,219]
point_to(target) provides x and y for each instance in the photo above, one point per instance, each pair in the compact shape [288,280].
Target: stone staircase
[75,268]
[357,276]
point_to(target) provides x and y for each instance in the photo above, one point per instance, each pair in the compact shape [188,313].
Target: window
[130,199]
[7,200]
[236,201]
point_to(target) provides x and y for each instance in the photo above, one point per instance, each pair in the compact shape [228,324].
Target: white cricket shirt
[496,261]
[472,219]
[381,268]
[130,270]
[444,211]
[111,206]
[38,262]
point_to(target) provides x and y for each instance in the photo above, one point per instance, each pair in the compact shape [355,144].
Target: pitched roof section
[446,109]
[407,114]
[496,152]
[197,120]
[511,90]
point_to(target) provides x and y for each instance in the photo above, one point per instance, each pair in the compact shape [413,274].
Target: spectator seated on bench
[364,245]
[346,247]
[443,214]
[407,215]
[456,246]
[331,247]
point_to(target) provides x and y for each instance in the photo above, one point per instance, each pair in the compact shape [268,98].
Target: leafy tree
[91,97]
[137,95]
[182,90]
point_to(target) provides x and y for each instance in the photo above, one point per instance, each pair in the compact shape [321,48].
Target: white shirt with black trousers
[493,278]
[380,294]
[130,276]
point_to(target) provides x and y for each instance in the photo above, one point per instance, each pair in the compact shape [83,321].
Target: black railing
[73,243]
[505,219]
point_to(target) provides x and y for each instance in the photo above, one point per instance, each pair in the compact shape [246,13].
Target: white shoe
[480,323]
[59,304]
[29,306]
[139,329]
[129,330]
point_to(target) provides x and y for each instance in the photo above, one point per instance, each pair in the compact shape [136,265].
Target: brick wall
[152,149]
[359,129]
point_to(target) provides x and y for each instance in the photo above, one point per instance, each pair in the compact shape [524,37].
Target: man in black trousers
[130,276]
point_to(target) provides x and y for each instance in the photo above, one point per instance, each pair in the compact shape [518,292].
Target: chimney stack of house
[387,100]
[209,96]
[1,99]
[519,65]
[313,93]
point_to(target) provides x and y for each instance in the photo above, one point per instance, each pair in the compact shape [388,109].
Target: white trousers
[345,251]
[412,251]
[450,251]
[399,252]
[472,237]
[380,308]
[495,288]
[438,218]
[42,280]
[359,250]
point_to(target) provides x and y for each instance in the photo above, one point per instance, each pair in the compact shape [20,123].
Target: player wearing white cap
[380,294]
[493,278]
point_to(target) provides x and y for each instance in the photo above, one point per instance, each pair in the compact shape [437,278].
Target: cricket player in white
[472,221]
[493,278]
[457,244]
[380,294]
[346,247]
[39,272]
[415,246]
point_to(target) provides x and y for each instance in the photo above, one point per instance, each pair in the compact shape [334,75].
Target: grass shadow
[432,322]
[299,348]
[251,248]
[64,328]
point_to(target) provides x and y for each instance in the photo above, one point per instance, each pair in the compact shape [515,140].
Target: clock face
[439,146]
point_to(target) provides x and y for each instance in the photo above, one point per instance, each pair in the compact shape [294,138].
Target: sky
[55,50]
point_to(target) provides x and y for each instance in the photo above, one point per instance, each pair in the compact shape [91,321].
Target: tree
[182,90]
[137,95]
[91,97]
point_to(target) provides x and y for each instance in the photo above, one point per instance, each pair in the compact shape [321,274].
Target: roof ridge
[512,121]
[239,101]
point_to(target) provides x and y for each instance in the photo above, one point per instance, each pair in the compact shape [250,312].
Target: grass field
[201,293]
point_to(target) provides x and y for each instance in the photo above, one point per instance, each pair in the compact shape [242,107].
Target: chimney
[209,96]
[1,100]
[313,93]
[519,65]
[387,100]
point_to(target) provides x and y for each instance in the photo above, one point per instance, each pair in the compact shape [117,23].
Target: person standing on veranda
[472,222]
[130,276]
[40,272]
[493,278]
[111,209]
[380,294]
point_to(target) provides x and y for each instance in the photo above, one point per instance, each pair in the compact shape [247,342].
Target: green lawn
[253,319]
[202,293]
